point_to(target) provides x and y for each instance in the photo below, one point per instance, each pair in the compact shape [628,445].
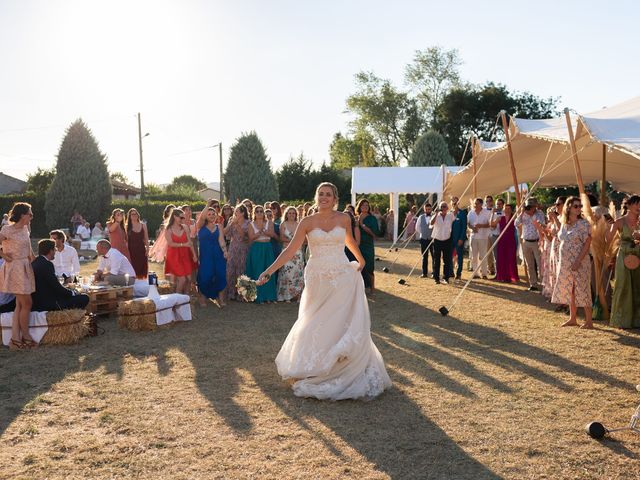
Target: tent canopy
[542,152]
[398,179]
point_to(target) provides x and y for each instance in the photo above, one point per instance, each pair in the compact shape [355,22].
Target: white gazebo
[396,180]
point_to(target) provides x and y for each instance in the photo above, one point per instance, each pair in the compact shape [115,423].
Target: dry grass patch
[494,390]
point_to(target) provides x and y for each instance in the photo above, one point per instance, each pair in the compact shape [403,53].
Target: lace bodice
[327,247]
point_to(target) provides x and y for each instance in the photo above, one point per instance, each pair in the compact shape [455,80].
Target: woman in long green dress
[625,308]
[369,230]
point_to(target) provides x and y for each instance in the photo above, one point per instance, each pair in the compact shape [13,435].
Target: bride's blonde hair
[334,189]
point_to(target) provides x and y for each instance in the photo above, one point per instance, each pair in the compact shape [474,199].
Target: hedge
[151,212]
[38,225]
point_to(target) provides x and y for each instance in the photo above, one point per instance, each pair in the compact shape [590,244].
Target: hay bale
[165,287]
[137,315]
[66,327]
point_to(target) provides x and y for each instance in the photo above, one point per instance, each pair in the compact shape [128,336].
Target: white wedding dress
[329,352]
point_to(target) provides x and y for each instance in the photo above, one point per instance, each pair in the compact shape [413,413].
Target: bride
[329,353]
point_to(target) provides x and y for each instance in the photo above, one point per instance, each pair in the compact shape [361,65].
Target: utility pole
[221,174]
[141,162]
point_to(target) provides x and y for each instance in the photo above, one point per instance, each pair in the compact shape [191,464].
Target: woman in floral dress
[291,278]
[573,281]
[236,230]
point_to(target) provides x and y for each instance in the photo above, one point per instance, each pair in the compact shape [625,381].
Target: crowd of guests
[555,250]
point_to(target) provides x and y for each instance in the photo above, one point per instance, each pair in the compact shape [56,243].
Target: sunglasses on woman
[577,206]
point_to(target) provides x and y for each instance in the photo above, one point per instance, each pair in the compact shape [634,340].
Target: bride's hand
[263,278]
[361,266]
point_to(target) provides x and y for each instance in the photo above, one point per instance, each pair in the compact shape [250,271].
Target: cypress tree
[430,150]
[82,179]
[248,173]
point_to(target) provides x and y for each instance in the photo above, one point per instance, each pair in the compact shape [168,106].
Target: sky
[203,72]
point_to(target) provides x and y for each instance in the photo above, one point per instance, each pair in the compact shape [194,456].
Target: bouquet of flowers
[247,288]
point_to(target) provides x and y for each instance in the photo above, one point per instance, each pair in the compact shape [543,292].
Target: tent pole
[603,185]
[475,168]
[574,153]
[395,201]
[516,185]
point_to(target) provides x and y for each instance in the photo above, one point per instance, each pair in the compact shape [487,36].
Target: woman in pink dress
[16,274]
[506,247]
[118,232]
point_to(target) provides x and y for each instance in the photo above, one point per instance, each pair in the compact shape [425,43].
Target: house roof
[121,187]
[9,184]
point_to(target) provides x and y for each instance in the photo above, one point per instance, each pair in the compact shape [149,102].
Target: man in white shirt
[114,267]
[442,222]
[84,231]
[66,260]
[478,221]
[423,229]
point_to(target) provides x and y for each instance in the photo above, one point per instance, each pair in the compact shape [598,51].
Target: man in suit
[49,294]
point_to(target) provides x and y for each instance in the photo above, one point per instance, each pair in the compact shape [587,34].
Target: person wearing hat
[531,221]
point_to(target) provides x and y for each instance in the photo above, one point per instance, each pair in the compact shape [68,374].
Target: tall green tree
[82,179]
[121,177]
[248,173]
[432,74]
[40,181]
[295,178]
[387,116]
[186,181]
[473,110]
[347,151]
[430,150]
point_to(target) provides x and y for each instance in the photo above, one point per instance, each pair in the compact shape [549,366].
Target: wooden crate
[105,301]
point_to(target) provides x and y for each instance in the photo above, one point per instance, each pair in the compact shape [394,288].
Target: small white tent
[397,180]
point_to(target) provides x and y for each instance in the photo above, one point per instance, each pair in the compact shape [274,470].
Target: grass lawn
[494,390]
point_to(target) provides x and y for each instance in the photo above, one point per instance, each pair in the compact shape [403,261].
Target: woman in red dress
[138,243]
[118,233]
[181,259]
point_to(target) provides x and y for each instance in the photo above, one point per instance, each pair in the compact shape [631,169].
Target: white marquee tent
[608,144]
[397,180]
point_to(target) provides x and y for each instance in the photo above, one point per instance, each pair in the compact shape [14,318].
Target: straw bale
[137,315]
[165,288]
[66,327]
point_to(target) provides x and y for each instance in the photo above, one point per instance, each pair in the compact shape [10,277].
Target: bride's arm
[352,245]
[288,253]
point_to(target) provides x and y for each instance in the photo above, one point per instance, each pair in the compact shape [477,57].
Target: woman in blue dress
[260,256]
[212,274]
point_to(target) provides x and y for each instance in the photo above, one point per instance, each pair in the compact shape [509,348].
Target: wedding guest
[118,232]
[505,246]
[458,235]
[409,225]
[16,274]
[531,221]
[496,213]
[291,277]
[276,218]
[390,224]
[98,231]
[553,226]
[181,259]
[212,274]
[114,267]
[368,232]
[138,243]
[376,213]
[227,213]
[5,220]
[50,294]
[300,209]
[66,262]
[158,251]
[190,223]
[260,255]
[76,220]
[355,232]
[216,206]
[573,282]
[84,231]
[625,307]
[236,230]
[350,208]
[424,230]
[442,222]
[478,222]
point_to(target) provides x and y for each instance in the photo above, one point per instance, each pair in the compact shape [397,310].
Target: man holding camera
[531,221]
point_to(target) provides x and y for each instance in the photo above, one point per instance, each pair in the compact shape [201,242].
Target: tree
[82,179]
[473,110]
[432,74]
[295,178]
[121,177]
[186,181]
[430,150]
[152,189]
[347,152]
[386,116]
[248,173]
[40,181]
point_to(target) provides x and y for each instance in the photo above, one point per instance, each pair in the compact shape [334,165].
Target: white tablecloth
[167,314]
[37,326]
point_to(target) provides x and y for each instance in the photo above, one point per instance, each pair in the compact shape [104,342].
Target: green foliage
[38,224]
[430,150]
[432,74]
[121,177]
[82,179]
[188,182]
[387,117]
[181,195]
[347,152]
[151,189]
[40,181]
[248,173]
[297,179]
[470,109]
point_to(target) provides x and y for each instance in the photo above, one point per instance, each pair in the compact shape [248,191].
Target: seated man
[84,231]
[49,294]
[98,231]
[66,257]
[7,300]
[114,267]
